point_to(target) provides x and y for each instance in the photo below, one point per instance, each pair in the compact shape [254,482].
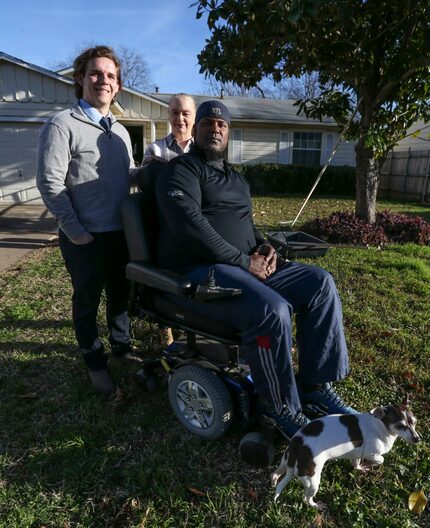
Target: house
[417,138]
[270,131]
[263,130]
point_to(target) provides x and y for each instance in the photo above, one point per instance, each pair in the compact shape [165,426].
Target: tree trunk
[367,179]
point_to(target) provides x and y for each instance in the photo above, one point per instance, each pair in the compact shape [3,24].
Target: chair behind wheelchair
[209,386]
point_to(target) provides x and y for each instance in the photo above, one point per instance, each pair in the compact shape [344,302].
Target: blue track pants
[263,316]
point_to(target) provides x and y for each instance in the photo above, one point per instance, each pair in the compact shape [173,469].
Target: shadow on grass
[25,347]
[13,322]
[58,435]
[424,214]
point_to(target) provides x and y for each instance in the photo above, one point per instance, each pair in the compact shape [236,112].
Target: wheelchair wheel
[200,401]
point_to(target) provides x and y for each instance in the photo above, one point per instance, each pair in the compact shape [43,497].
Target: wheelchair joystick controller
[210,279]
[209,291]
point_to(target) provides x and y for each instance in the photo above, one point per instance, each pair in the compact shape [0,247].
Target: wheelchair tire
[200,401]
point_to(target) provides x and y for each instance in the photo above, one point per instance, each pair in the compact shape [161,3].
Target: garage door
[18,153]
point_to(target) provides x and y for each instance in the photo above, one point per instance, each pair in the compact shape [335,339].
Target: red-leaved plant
[346,228]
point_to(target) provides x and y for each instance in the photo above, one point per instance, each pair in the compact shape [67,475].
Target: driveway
[24,228]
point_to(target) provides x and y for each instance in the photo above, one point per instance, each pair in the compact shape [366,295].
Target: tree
[304,87]
[134,68]
[307,86]
[218,88]
[374,53]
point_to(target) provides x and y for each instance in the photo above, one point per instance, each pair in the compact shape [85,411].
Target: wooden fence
[405,175]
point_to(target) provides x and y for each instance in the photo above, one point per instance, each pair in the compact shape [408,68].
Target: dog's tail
[281,485]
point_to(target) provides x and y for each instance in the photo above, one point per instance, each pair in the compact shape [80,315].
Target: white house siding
[138,108]
[25,93]
[18,152]
[139,111]
[259,145]
[345,154]
[418,138]
[273,145]
[27,99]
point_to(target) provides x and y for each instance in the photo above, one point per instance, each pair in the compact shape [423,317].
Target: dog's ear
[378,412]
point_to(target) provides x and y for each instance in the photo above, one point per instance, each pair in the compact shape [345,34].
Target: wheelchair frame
[206,389]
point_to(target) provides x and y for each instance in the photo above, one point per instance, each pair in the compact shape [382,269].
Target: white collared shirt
[166,148]
[92,112]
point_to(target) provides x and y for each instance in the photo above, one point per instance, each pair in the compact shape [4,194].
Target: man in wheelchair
[205,223]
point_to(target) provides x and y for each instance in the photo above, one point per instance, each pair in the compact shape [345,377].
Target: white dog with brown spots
[363,438]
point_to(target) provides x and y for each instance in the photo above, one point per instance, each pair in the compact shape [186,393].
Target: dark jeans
[93,267]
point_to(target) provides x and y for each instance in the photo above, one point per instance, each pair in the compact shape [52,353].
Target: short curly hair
[80,64]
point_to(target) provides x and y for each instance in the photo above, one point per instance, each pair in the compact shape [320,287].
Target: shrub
[347,228]
[404,228]
[272,178]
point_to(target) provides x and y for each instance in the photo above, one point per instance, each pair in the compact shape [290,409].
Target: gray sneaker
[102,381]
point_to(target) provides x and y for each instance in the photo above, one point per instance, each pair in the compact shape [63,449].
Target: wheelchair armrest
[160,279]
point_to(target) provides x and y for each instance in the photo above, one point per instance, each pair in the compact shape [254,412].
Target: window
[307,148]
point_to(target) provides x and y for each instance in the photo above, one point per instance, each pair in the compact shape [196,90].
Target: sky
[165,32]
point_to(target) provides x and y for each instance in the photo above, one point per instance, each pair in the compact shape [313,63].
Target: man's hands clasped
[263,262]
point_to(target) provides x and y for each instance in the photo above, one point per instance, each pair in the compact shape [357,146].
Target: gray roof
[257,109]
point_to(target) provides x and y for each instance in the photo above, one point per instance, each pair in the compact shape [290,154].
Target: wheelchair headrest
[139,215]
[148,173]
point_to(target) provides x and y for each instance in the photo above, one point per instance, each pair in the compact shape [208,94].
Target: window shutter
[329,142]
[236,150]
[284,155]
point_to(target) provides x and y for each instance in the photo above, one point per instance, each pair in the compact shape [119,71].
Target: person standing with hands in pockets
[84,173]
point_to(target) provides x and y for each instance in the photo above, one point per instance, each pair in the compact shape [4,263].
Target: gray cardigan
[83,172]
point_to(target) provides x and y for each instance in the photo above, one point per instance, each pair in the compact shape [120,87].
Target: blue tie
[105,123]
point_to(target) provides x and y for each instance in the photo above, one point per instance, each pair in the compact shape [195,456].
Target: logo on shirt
[175,193]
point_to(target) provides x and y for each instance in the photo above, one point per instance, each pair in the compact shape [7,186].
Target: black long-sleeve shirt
[204,215]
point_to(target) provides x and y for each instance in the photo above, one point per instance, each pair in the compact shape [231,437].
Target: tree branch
[386,89]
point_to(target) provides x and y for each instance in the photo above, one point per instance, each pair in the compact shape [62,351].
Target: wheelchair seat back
[139,216]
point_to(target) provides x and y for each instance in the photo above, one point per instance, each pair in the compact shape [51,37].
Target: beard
[209,154]
[214,155]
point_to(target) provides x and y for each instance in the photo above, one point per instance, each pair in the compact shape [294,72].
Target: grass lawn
[70,458]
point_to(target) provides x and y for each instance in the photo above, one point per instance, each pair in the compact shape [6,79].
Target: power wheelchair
[209,387]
